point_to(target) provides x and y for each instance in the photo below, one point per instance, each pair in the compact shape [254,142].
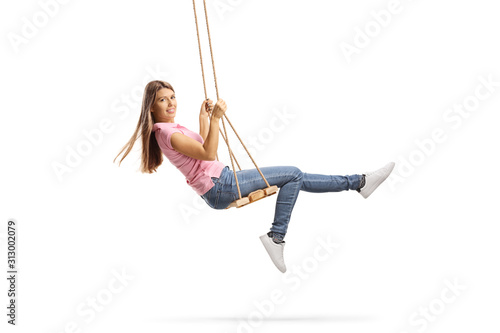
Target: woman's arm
[204,127]
[206,107]
[192,148]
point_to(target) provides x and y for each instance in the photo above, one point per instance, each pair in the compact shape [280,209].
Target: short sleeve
[166,135]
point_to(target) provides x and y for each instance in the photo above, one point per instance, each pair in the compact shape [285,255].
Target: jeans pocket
[211,195]
[218,180]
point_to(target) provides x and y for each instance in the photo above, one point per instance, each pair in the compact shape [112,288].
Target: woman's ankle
[277,237]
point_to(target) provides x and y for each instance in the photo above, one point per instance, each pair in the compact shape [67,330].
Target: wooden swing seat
[254,196]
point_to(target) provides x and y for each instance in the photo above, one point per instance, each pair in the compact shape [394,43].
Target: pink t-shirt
[198,173]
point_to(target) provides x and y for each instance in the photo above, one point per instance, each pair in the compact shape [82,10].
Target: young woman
[195,156]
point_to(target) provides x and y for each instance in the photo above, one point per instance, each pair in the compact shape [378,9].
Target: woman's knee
[296,172]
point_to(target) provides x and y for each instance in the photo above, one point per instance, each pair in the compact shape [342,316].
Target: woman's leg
[290,181]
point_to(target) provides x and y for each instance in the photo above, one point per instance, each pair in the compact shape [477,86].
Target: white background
[193,268]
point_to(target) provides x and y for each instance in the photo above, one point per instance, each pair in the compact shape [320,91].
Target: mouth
[171,110]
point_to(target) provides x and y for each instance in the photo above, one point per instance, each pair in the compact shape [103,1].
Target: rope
[217,93]
[204,85]
[226,138]
[201,62]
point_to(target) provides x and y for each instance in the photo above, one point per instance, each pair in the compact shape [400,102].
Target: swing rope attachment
[255,195]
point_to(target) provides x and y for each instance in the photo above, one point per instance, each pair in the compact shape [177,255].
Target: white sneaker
[375,178]
[275,251]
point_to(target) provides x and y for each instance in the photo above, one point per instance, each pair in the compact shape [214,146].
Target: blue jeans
[290,181]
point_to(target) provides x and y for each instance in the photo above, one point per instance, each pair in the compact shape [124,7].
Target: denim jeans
[290,181]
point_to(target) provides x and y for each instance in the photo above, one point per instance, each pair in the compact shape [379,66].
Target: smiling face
[164,106]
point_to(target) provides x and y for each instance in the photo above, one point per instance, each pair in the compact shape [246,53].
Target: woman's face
[165,106]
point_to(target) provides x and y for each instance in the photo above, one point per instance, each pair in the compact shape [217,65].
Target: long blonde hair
[152,156]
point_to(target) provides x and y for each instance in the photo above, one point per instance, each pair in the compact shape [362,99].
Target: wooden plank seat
[254,196]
